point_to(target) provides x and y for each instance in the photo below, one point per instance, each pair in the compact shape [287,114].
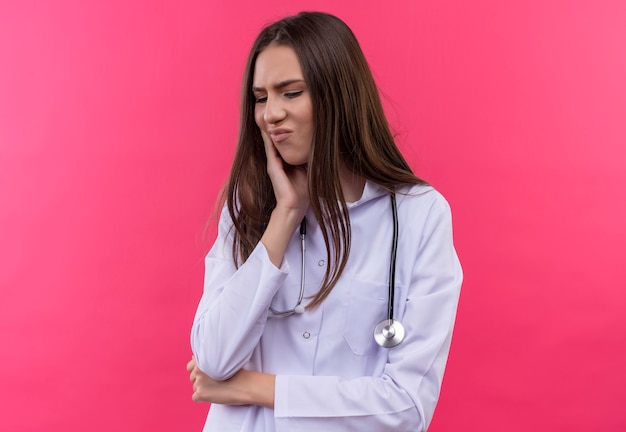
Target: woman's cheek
[258,117]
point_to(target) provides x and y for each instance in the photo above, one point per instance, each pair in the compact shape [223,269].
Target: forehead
[275,64]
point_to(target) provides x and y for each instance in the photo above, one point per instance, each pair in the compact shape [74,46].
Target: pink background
[117,127]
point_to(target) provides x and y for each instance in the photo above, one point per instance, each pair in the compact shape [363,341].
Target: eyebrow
[279,85]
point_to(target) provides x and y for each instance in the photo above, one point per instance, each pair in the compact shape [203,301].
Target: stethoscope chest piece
[389,333]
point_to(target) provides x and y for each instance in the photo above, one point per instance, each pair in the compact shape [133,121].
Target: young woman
[331,291]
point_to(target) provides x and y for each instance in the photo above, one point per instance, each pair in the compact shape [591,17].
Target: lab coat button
[320,263]
[306,335]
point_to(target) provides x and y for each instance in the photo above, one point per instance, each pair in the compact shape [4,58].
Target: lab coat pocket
[366,306]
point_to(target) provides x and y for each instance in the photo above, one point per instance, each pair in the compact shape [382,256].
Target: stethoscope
[389,332]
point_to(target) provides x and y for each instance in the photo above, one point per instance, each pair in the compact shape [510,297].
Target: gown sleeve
[403,398]
[233,309]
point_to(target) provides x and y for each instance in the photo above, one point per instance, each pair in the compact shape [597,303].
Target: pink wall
[117,125]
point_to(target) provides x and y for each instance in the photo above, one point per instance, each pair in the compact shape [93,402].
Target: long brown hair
[350,128]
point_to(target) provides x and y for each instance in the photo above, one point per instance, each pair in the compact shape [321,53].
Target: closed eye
[288,95]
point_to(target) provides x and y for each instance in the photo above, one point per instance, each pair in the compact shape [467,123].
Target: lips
[279,135]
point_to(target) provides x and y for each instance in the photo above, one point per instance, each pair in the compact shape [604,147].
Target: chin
[297,163]
[294,160]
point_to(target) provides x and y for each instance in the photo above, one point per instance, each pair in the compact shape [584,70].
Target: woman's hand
[243,388]
[206,389]
[289,182]
[292,200]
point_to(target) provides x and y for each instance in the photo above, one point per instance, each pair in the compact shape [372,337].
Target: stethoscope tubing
[298,308]
[394,253]
[389,332]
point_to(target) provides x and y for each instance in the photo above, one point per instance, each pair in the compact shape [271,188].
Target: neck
[351,184]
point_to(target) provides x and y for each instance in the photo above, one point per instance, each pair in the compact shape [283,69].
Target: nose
[274,110]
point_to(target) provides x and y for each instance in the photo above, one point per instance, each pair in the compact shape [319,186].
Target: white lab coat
[330,373]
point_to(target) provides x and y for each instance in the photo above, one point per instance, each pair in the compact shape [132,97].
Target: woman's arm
[233,310]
